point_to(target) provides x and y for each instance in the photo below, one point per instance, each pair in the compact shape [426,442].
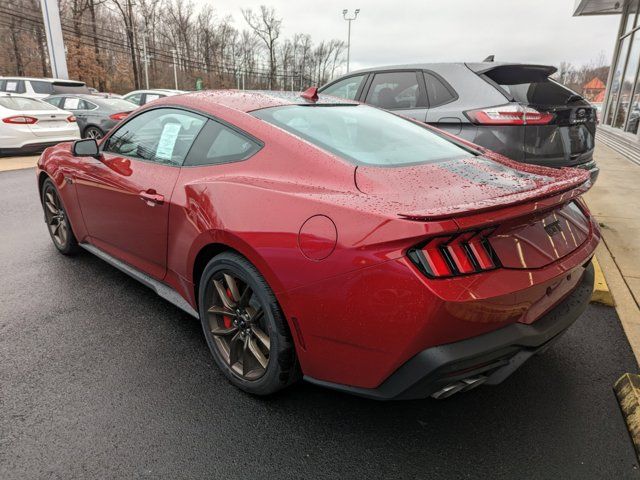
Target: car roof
[475,66]
[249,100]
[42,79]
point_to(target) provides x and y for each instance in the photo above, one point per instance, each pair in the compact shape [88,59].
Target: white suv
[40,87]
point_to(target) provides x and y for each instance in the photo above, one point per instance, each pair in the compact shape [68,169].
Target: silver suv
[513,109]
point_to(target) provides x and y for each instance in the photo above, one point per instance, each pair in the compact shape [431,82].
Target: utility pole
[349,19]
[175,70]
[146,59]
[55,42]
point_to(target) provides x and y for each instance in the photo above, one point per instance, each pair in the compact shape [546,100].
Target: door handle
[151,197]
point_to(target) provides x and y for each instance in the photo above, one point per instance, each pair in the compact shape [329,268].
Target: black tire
[93,132]
[281,369]
[57,221]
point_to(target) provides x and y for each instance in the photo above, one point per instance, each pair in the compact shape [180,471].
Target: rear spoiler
[512,73]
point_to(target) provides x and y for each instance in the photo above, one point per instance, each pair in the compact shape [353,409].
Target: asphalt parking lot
[100,378]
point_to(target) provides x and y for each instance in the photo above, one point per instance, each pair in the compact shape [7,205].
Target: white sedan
[31,125]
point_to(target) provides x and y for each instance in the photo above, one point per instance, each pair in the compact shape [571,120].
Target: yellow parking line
[17,163]
[601,293]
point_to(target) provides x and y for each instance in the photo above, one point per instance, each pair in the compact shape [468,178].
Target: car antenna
[490,58]
[310,93]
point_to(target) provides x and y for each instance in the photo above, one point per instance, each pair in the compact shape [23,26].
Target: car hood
[465,186]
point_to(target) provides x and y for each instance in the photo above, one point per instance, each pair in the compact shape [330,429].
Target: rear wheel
[244,326]
[57,220]
[93,132]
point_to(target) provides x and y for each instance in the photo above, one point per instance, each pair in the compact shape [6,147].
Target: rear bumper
[490,357]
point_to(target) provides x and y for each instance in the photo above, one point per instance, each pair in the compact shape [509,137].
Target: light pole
[146,58]
[175,70]
[349,19]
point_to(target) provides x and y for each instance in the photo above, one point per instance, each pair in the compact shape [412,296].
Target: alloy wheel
[56,218]
[238,326]
[94,133]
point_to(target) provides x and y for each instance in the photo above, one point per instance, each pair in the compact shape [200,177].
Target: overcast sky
[409,31]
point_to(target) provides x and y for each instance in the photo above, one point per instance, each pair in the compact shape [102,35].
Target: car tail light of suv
[509,114]
[455,255]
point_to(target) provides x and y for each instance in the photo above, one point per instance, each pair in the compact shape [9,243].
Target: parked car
[141,97]
[329,239]
[96,115]
[30,125]
[510,108]
[40,87]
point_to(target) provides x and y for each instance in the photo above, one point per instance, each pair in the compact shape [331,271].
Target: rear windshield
[363,135]
[532,88]
[23,103]
[118,103]
[70,87]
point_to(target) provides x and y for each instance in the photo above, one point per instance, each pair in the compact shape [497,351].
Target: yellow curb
[601,292]
[627,389]
[17,163]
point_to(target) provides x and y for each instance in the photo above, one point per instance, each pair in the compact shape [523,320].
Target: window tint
[395,90]
[24,103]
[364,135]
[13,86]
[135,98]
[164,135]
[41,87]
[437,92]
[220,144]
[346,88]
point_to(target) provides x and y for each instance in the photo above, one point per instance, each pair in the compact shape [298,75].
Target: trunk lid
[568,139]
[525,213]
[48,122]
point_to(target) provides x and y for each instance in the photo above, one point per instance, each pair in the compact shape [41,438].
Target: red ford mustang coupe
[325,239]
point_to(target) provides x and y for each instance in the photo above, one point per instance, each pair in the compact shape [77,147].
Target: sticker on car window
[151,97]
[11,87]
[167,141]
[71,103]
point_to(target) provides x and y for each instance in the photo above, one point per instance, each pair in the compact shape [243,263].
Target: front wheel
[93,132]
[57,220]
[244,326]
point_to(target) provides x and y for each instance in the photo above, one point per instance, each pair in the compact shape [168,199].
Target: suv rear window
[41,87]
[531,86]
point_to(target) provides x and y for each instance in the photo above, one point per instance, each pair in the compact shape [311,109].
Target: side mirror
[86,148]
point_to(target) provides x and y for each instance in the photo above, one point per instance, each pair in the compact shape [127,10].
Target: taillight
[20,120]
[509,114]
[461,254]
[118,116]
[71,119]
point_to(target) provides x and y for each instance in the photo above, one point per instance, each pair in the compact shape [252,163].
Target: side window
[149,97]
[14,86]
[437,92]
[55,101]
[220,144]
[395,90]
[71,103]
[85,105]
[41,87]
[346,88]
[135,98]
[163,135]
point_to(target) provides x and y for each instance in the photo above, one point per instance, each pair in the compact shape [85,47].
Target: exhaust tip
[460,386]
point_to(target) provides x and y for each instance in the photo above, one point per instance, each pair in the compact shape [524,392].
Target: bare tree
[266,26]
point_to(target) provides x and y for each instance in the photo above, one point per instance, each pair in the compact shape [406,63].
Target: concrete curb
[627,389]
[601,292]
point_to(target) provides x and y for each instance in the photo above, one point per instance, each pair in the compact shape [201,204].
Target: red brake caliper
[225,318]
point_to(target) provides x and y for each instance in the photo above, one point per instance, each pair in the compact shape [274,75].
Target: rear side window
[55,101]
[135,98]
[395,90]
[437,91]
[163,135]
[531,86]
[13,86]
[218,143]
[41,87]
[346,88]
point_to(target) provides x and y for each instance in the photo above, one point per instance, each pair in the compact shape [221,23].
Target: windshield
[363,135]
[24,103]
